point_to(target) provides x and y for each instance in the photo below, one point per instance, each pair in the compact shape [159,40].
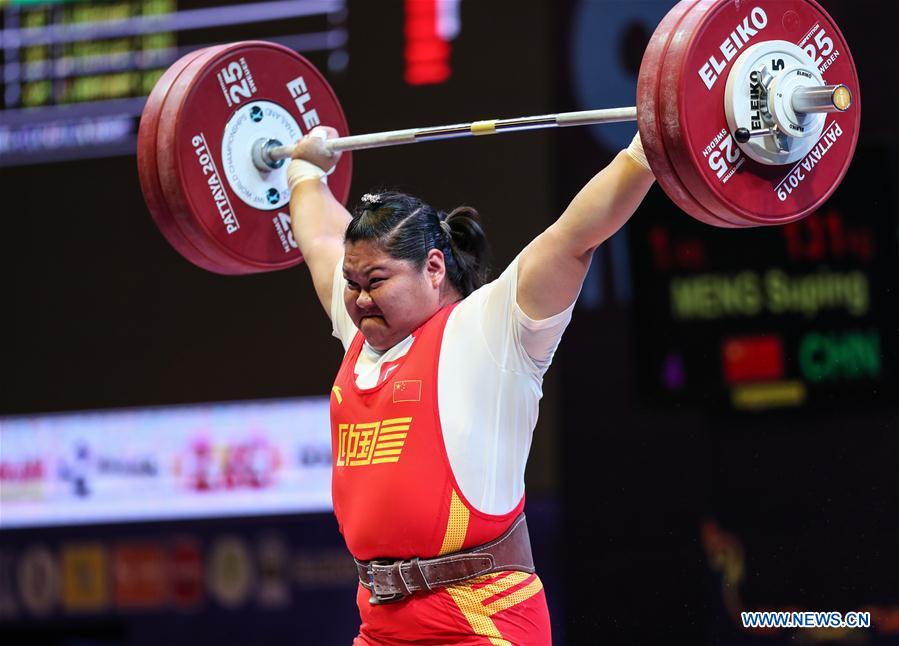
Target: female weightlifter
[434,404]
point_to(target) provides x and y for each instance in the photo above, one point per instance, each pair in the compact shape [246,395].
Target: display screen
[210,460]
[772,317]
[76,74]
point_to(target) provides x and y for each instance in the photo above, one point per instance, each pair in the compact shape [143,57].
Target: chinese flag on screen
[752,358]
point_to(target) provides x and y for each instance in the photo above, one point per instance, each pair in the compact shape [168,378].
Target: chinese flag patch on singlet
[408,390]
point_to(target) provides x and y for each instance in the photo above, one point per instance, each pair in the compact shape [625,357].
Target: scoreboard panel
[772,317]
[76,74]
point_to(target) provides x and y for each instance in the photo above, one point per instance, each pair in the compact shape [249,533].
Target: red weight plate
[648,119]
[694,123]
[217,259]
[216,110]
[147,168]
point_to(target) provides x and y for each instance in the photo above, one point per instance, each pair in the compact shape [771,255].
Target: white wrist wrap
[635,150]
[299,170]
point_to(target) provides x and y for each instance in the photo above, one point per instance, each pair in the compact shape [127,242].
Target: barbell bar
[271,152]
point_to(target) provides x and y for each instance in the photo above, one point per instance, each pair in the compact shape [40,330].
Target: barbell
[749,113]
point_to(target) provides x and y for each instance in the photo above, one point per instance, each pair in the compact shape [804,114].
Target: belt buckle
[377,599]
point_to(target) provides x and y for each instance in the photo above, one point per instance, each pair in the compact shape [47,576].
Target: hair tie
[446,229]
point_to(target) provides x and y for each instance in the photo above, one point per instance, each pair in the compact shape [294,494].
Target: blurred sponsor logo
[315,455]
[186,573]
[230,573]
[273,585]
[38,577]
[84,465]
[138,576]
[84,578]
[21,479]
[328,568]
[207,466]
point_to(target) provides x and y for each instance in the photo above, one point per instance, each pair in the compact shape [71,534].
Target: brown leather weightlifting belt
[390,581]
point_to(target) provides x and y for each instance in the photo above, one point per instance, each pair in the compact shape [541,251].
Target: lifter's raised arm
[552,267]
[318,220]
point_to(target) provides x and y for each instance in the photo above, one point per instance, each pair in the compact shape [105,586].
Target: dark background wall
[661,514]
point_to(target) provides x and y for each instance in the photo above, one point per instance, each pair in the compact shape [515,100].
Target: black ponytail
[468,246]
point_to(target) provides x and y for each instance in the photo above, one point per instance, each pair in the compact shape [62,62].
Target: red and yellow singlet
[395,497]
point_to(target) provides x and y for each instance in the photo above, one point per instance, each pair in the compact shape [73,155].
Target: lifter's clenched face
[389,298]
